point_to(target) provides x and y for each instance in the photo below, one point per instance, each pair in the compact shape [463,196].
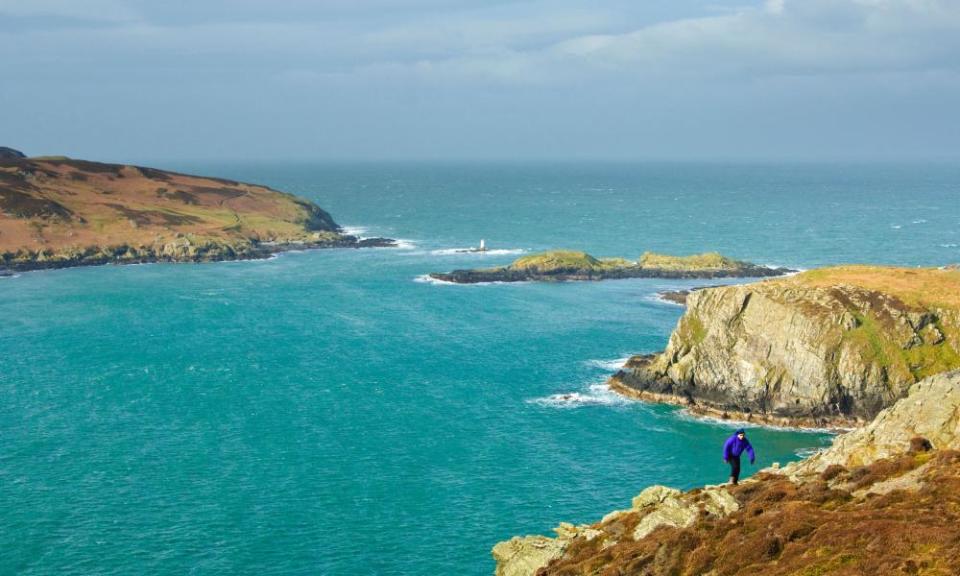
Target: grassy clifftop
[831,345]
[566,260]
[924,287]
[705,261]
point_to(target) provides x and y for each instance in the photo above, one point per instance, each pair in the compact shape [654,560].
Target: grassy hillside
[56,207]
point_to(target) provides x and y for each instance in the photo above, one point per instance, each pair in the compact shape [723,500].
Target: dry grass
[786,529]
[54,204]
[921,287]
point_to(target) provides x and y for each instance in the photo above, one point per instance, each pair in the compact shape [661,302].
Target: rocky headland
[873,348]
[568,265]
[828,347]
[57,212]
[884,499]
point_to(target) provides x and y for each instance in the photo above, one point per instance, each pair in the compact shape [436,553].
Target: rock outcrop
[568,265]
[930,411]
[823,348]
[57,212]
[884,499]
[10,153]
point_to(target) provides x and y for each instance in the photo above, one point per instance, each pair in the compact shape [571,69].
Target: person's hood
[740,431]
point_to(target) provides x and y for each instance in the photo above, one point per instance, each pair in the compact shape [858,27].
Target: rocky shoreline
[680,296]
[874,349]
[181,253]
[58,212]
[572,266]
[853,505]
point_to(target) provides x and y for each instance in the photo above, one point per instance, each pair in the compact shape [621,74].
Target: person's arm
[753,455]
[726,449]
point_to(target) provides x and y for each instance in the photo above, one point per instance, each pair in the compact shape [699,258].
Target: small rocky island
[568,265]
[57,212]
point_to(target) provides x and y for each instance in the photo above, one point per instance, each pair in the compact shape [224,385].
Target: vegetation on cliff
[834,345]
[55,211]
[882,500]
[568,265]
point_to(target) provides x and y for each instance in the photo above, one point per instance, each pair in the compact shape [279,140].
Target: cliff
[57,212]
[826,347]
[884,499]
[569,265]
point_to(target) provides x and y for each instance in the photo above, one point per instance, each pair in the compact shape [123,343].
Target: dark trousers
[735,468]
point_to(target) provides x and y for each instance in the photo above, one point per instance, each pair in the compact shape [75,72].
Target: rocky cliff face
[884,499]
[834,346]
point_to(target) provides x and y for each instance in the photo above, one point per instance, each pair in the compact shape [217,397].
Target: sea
[336,412]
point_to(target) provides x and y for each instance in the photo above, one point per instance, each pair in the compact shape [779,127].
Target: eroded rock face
[931,411]
[898,477]
[523,556]
[781,350]
[655,507]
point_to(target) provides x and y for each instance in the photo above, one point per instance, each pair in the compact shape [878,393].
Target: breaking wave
[595,395]
[608,365]
[458,251]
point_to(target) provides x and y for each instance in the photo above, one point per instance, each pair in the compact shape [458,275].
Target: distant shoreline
[122,255]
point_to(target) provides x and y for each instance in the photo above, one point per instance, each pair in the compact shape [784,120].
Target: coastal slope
[571,265]
[832,346]
[884,499]
[57,212]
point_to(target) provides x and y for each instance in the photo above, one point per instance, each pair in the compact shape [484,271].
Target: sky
[137,80]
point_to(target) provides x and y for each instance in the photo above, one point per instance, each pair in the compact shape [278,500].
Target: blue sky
[492,79]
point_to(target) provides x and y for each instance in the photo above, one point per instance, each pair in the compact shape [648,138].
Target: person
[732,449]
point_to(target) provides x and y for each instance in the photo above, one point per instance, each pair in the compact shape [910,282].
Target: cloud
[778,38]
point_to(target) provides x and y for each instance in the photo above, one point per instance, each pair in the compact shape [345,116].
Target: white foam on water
[358,231]
[404,244]
[428,279]
[595,395]
[733,423]
[473,252]
[896,226]
[949,245]
[919,221]
[10,277]
[608,365]
[659,299]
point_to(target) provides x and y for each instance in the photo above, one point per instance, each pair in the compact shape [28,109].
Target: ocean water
[325,412]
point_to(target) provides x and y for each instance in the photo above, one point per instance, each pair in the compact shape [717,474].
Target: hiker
[732,449]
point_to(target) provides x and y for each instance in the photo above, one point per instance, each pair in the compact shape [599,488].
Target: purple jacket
[734,447]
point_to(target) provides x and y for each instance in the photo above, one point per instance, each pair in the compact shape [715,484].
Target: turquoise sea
[324,412]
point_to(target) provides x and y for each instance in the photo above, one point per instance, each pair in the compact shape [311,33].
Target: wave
[595,395]
[896,226]
[734,423]
[404,244]
[919,221]
[659,299]
[457,251]
[608,365]
[357,231]
[9,276]
[949,245]
[428,279]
